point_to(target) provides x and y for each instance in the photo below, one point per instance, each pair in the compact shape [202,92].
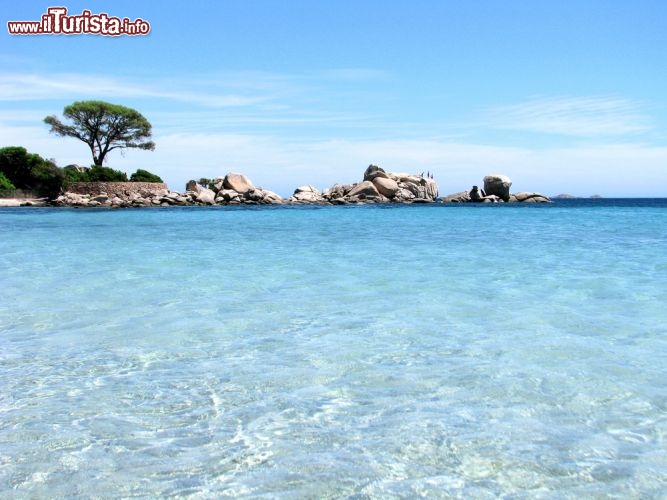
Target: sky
[565,96]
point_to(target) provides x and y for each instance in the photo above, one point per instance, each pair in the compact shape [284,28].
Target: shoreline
[23,202]
[377,187]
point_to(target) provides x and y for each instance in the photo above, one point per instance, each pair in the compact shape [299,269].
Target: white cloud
[282,142]
[31,87]
[282,163]
[222,90]
[573,116]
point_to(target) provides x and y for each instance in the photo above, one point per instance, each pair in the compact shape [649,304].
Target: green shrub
[16,163]
[74,173]
[98,173]
[48,179]
[5,183]
[29,171]
[142,175]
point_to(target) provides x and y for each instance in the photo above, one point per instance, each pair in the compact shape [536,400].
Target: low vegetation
[5,183]
[142,175]
[30,172]
[20,169]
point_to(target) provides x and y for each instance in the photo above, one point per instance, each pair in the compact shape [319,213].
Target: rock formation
[528,197]
[192,185]
[496,190]
[377,186]
[237,182]
[498,185]
[306,194]
[228,190]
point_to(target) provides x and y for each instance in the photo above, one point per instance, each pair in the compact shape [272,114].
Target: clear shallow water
[465,351]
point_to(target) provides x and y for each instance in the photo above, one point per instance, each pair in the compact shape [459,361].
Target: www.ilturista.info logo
[57,22]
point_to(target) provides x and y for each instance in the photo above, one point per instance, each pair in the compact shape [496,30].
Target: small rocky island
[376,186]
[496,190]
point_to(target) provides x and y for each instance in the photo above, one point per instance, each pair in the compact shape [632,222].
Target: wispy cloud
[222,101]
[285,130]
[282,163]
[573,116]
[31,87]
[234,89]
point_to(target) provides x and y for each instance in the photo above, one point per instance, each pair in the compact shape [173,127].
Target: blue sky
[563,96]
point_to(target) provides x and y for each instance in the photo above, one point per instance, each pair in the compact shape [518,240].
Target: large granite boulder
[422,188]
[193,186]
[374,171]
[461,197]
[227,196]
[307,194]
[206,197]
[529,197]
[404,195]
[386,187]
[218,184]
[407,178]
[364,189]
[337,191]
[431,188]
[476,194]
[499,185]
[253,195]
[269,197]
[238,182]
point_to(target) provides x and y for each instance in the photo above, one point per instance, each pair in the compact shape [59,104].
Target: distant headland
[573,197]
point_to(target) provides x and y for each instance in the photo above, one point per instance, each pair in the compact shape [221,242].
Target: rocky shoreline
[377,186]
[496,190]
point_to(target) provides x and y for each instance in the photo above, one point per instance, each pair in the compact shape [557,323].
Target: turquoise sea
[514,351]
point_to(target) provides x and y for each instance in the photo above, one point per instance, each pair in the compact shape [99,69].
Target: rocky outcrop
[193,185]
[228,190]
[205,196]
[496,190]
[498,185]
[337,194]
[365,189]
[386,187]
[374,171]
[306,194]
[476,194]
[460,197]
[529,197]
[235,188]
[237,182]
[379,186]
